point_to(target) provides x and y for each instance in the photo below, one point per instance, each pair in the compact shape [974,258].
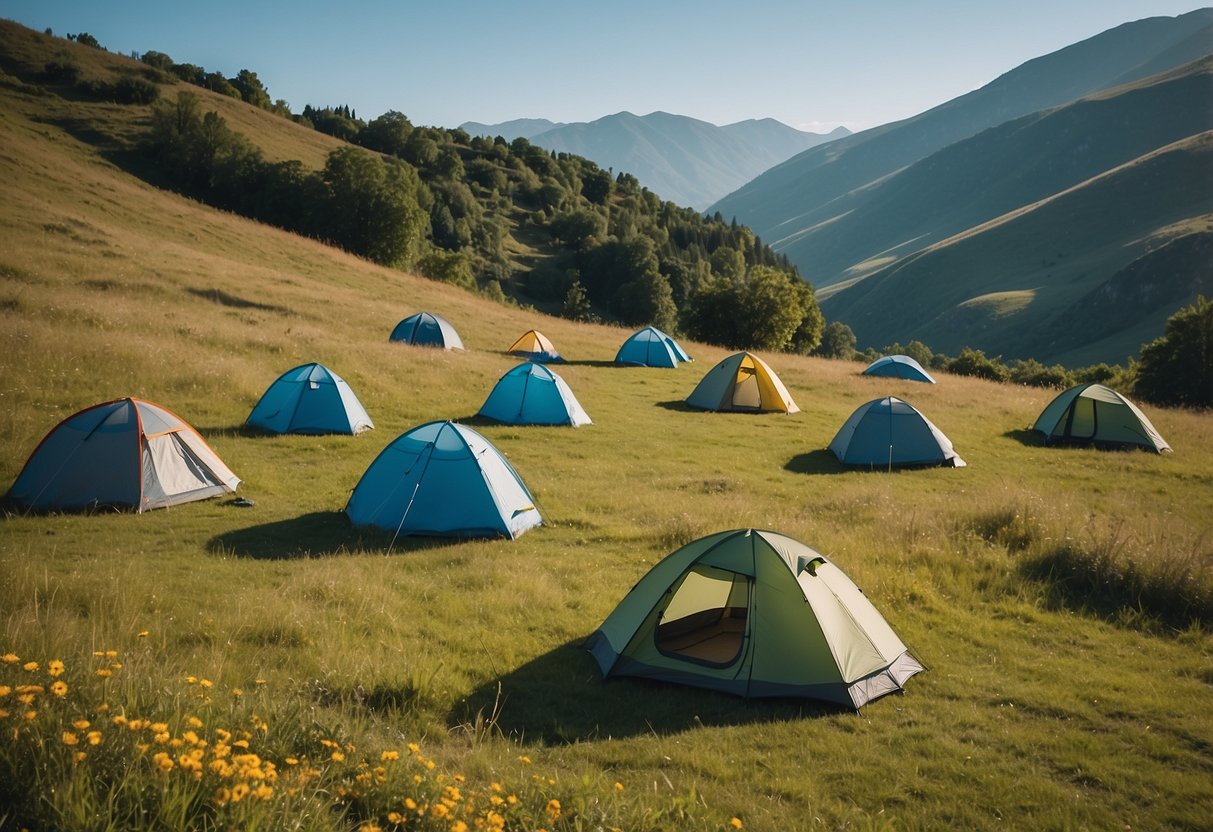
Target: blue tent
[532,394]
[128,453]
[650,347]
[427,329]
[889,432]
[898,366]
[310,399]
[443,479]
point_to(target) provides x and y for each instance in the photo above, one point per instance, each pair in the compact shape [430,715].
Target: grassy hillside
[1060,598]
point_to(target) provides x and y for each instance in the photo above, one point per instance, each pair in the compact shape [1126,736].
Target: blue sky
[810,64]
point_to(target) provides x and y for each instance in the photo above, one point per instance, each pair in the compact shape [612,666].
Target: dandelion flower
[395,817]
[238,791]
[26,698]
[5,690]
[459,826]
[205,683]
[237,692]
[439,810]
[55,667]
[389,756]
[263,792]
[413,748]
[553,809]
[30,666]
[10,658]
[735,823]
[410,804]
[338,757]
[163,761]
[94,737]
[292,761]
[69,738]
[81,724]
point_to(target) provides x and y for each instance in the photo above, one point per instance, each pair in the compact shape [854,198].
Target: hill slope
[683,160]
[1049,703]
[1051,205]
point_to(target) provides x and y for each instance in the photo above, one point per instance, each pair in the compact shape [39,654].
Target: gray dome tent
[886,433]
[1097,415]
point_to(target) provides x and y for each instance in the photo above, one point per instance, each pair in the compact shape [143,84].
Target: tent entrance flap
[705,619]
[745,390]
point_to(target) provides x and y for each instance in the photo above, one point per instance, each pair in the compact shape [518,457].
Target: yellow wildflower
[524,759]
[259,682]
[338,757]
[30,666]
[78,757]
[389,756]
[292,761]
[105,672]
[369,826]
[223,734]
[238,791]
[69,738]
[118,720]
[26,698]
[59,687]
[735,823]
[241,743]
[191,680]
[111,654]
[3,713]
[141,634]
[263,792]
[413,748]
[159,727]
[10,658]
[5,690]
[496,787]
[163,761]
[103,708]
[222,795]
[553,809]
[395,817]
[81,724]
[237,692]
[30,716]
[439,810]
[205,683]
[94,737]
[618,787]
[410,804]
[116,665]
[55,667]
[459,826]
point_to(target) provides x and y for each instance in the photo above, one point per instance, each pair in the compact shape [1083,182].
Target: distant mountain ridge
[681,159]
[935,227]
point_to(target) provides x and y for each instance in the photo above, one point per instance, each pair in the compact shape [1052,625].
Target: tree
[1177,369]
[159,60]
[646,300]
[371,207]
[837,341]
[577,228]
[770,309]
[972,362]
[808,333]
[251,89]
[576,304]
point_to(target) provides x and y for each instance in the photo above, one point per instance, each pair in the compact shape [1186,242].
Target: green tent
[757,614]
[1092,414]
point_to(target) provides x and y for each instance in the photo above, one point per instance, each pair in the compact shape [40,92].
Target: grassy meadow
[1061,599]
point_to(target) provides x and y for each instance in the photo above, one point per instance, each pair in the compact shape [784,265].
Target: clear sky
[808,63]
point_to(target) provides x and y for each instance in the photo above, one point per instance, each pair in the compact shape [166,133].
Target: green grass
[1040,586]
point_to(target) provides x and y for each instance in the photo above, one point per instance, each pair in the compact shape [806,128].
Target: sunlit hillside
[1061,599]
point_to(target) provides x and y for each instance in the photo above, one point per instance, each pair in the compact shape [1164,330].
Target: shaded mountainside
[525,127]
[988,288]
[684,160]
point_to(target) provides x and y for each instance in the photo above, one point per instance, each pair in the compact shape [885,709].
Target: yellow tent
[742,382]
[534,345]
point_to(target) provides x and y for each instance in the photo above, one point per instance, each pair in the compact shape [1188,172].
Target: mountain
[682,159]
[991,232]
[524,127]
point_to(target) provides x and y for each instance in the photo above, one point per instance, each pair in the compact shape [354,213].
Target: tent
[650,347]
[742,382]
[889,432]
[310,399]
[128,453]
[427,329]
[1097,415]
[531,394]
[757,614]
[443,479]
[535,346]
[898,366]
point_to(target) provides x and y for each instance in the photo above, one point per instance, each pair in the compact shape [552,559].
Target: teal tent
[898,366]
[128,453]
[532,394]
[1092,414]
[886,433]
[742,383]
[443,479]
[427,329]
[310,399]
[757,614]
[650,347]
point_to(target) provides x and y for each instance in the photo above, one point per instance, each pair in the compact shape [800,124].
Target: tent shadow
[681,406]
[560,698]
[820,461]
[1030,438]
[318,534]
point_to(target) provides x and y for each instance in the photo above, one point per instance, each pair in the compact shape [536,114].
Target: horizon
[710,70]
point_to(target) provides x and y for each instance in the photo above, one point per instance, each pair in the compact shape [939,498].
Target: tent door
[1081,421]
[705,619]
[745,389]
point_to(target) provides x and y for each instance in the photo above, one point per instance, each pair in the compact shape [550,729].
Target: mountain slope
[524,127]
[683,160]
[797,195]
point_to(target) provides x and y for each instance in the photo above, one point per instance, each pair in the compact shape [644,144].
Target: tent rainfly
[898,366]
[757,614]
[443,479]
[886,433]
[427,329]
[533,345]
[310,399]
[742,382]
[532,394]
[127,453]
[1091,414]
[650,347]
